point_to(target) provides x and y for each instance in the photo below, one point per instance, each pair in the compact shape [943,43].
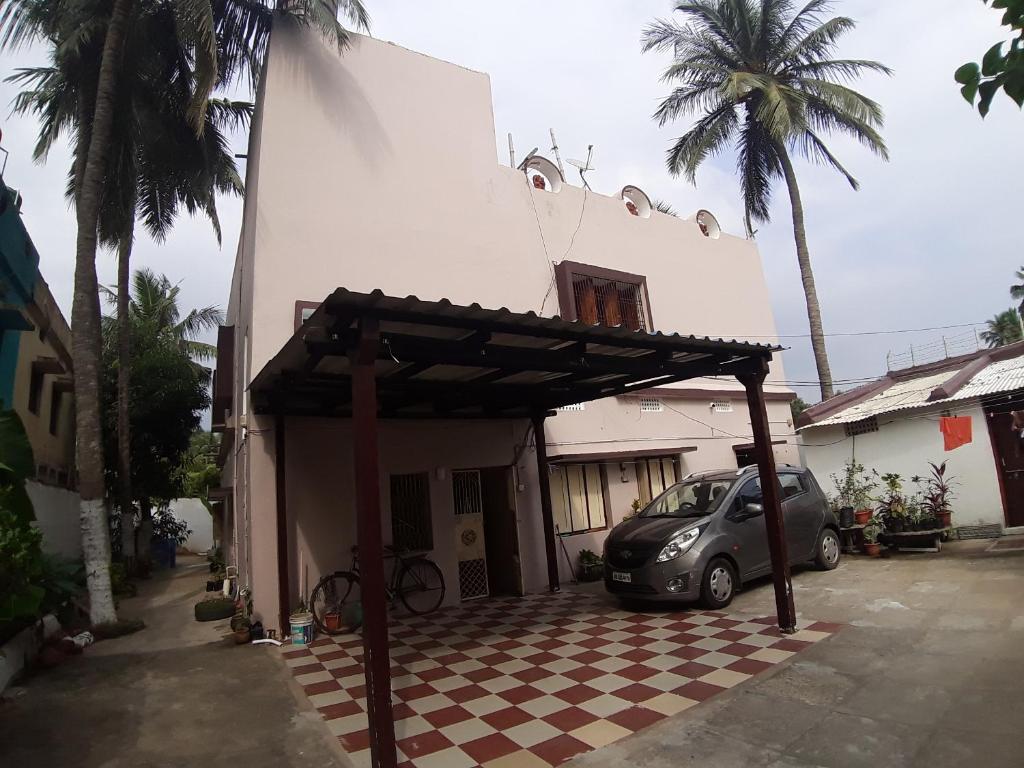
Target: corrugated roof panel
[902,395]
[1003,376]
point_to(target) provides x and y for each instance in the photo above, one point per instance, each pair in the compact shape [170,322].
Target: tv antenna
[529,155]
[584,167]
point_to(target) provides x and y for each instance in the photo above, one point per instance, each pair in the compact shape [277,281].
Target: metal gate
[469,534]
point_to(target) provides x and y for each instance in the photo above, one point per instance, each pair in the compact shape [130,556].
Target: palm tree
[1003,329]
[153,306]
[158,165]
[153,313]
[762,77]
[664,207]
[220,41]
[1017,293]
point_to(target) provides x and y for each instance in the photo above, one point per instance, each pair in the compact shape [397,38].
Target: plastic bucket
[302,629]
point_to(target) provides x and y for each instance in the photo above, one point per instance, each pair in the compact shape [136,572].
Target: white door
[469,534]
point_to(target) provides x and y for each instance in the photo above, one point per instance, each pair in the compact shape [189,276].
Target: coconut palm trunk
[86,338]
[124,350]
[803,257]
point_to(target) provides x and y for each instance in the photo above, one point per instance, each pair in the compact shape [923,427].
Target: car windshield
[691,498]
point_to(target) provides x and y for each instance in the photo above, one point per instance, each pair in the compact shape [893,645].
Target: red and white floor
[532,682]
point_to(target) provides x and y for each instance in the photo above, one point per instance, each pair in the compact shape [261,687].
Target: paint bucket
[302,628]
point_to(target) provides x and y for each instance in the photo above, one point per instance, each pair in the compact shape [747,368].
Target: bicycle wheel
[421,585]
[328,600]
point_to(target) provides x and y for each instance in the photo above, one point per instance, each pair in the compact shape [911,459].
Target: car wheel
[827,554]
[718,586]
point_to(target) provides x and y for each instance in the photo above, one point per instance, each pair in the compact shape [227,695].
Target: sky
[931,239]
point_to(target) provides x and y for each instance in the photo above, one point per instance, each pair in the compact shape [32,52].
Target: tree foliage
[762,77]
[169,389]
[199,471]
[997,70]
[1002,329]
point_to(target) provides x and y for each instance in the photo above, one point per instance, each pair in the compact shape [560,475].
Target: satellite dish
[583,167]
[531,153]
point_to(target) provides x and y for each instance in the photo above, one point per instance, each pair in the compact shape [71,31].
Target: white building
[894,425]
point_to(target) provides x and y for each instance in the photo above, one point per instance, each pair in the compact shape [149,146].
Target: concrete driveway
[170,696]
[925,674]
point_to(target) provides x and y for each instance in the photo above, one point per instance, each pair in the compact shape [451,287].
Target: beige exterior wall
[54,453]
[379,170]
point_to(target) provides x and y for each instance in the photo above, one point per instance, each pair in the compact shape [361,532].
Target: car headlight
[679,545]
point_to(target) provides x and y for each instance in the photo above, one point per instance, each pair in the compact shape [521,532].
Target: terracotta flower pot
[862,516]
[945,519]
[872,549]
[332,621]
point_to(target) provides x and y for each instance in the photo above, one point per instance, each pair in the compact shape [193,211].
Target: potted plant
[332,616]
[242,629]
[937,495]
[892,507]
[871,546]
[591,566]
[853,492]
[634,508]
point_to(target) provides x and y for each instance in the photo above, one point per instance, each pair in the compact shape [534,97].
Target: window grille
[608,302]
[721,406]
[650,405]
[862,427]
[468,496]
[411,528]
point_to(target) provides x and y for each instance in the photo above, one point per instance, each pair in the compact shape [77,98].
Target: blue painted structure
[19,272]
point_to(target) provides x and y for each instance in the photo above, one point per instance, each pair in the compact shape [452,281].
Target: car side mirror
[749,511]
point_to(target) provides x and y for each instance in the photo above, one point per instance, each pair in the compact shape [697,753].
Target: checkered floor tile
[534,681]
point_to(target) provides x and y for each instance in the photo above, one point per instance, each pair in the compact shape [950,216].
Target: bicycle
[415,580]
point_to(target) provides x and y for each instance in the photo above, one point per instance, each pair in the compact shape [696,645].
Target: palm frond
[707,138]
[757,163]
[843,69]
[813,148]
[199,320]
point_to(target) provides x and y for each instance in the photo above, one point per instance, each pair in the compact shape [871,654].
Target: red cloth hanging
[956,431]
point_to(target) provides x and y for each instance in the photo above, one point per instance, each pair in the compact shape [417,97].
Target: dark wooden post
[281,492]
[376,661]
[544,485]
[774,523]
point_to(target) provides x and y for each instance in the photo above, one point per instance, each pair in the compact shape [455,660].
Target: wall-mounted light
[440,474]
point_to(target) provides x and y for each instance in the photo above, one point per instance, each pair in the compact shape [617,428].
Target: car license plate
[626,577]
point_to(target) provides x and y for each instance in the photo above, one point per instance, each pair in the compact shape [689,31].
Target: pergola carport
[371,356]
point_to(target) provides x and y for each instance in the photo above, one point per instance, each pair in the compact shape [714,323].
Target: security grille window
[577,498]
[56,397]
[721,406]
[654,475]
[574,407]
[411,527]
[597,296]
[468,496]
[862,427]
[650,405]
[35,390]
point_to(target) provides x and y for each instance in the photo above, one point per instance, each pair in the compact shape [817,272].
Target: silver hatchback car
[704,536]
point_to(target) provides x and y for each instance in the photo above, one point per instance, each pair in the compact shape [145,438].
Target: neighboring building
[36,379]
[392,183]
[894,425]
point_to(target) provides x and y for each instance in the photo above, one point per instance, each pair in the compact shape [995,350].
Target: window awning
[621,456]
[436,359]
